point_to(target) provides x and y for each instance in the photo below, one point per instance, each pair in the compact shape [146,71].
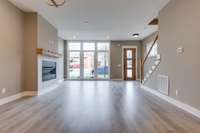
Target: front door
[129,63]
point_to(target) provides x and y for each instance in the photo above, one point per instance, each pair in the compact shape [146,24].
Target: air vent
[163,84]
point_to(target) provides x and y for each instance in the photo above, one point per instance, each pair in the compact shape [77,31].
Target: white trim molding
[175,102]
[11,98]
[28,94]
[47,90]
[17,96]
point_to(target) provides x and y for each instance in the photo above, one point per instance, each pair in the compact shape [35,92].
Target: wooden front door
[129,63]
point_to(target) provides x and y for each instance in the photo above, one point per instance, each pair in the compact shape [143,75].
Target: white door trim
[123,47]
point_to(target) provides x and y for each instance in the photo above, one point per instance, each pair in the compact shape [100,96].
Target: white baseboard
[28,93]
[49,89]
[61,80]
[10,98]
[17,96]
[175,102]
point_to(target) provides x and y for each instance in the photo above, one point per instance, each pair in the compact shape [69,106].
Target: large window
[74,57]
[88,60]
[103,60]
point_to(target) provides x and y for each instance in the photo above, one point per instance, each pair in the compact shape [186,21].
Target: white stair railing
[152,69]
[146,75]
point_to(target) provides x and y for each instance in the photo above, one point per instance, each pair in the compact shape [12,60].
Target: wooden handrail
[146,57]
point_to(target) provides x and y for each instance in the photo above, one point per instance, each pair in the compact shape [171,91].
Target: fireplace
[48,70]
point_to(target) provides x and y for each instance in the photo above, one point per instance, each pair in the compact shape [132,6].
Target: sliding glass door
[74,60]
[88,60]
[102,60]
[89,69]
[74,65]
[103,65]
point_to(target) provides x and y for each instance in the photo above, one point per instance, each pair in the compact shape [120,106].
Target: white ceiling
[98,19]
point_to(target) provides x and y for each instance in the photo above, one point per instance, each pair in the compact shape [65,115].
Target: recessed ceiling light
[74,37]
[86,22]
[107,37]
[136,35]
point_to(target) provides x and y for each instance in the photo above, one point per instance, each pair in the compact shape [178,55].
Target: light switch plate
[176,92]
[180,50]
[3,91]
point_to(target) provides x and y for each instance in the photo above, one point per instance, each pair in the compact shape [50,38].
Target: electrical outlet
[3,91]
[176,92]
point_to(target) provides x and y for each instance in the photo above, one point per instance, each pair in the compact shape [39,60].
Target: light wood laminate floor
[95,107]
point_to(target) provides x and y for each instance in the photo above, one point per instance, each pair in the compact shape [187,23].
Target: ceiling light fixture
[74,37]
[56,3]
[107,37]
[136,35]
[86,22]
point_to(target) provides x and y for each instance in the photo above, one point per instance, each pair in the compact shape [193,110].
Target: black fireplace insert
[48,70]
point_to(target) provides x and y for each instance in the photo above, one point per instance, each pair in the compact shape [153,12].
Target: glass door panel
[129,64]
[103,46]
[102,65]
[88,46]
[129,54]
[129,73]
[74,65]
[89,69]
[74,46]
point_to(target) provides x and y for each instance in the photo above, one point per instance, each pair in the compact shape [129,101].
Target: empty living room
[99,66]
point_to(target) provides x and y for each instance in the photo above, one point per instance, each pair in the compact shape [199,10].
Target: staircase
[152,62]
[154,66]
